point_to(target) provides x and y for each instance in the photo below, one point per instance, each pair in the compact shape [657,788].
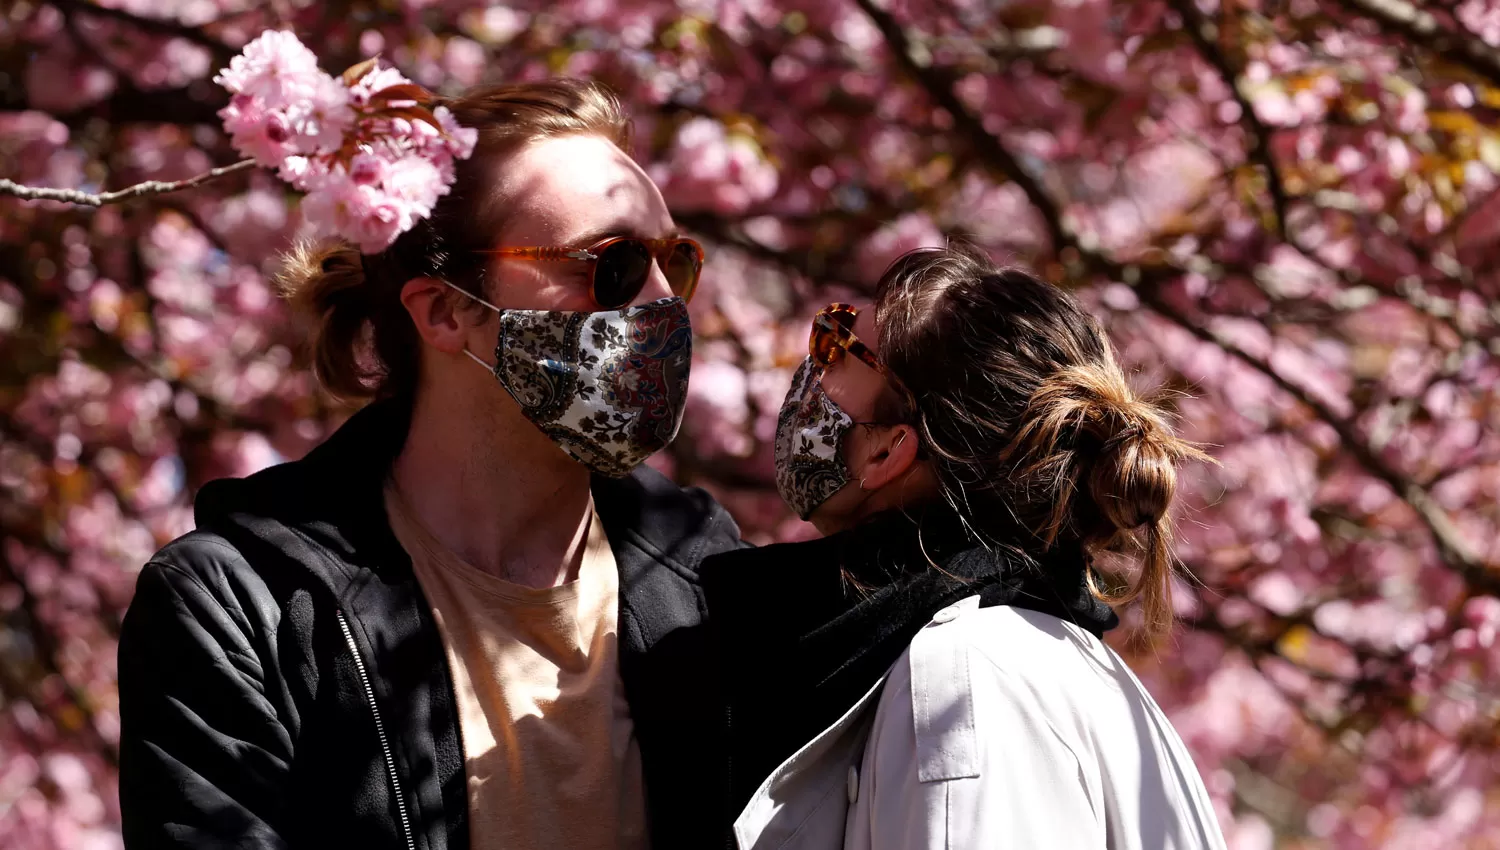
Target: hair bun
[1133,479]
[1119,449]
[325,282]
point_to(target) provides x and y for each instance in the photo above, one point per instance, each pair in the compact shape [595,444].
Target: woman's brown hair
[1029,419]
[364,344]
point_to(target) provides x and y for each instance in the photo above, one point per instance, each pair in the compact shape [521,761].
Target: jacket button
[945,615]
[853,784]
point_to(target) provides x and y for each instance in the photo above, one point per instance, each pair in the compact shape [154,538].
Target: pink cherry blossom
[414,181]
[287,114]
[323,117]
[276,69]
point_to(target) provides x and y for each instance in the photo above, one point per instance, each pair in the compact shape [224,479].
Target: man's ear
[892,454]
[434,309]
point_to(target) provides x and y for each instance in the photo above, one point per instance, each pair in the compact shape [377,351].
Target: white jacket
[998,728]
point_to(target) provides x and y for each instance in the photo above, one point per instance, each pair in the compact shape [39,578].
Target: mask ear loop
[467,294]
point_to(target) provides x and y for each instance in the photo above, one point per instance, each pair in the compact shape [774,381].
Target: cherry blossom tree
[1285,209]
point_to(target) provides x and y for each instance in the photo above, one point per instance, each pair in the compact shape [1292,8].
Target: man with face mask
[457,623]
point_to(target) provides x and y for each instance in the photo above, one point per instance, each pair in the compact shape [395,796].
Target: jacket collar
[327,512]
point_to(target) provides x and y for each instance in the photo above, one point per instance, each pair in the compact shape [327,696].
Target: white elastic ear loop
[472,356]
[467,294]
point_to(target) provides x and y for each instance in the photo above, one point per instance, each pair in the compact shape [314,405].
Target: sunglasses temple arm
[466,293]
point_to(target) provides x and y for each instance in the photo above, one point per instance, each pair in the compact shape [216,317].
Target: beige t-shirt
[549,748]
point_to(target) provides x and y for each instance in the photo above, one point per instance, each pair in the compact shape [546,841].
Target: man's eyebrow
[593,237]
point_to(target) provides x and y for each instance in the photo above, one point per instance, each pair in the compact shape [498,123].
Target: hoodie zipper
[385,744]
[729,840]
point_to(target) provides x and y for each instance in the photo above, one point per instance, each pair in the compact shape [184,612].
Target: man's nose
[656,287]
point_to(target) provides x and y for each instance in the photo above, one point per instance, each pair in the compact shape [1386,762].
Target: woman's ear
[891,454]
[433,310]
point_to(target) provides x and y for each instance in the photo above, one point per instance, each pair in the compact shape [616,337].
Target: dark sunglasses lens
[682,269]
[620,273]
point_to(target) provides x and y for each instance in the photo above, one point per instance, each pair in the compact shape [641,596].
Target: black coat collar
[804,629]
[329,506]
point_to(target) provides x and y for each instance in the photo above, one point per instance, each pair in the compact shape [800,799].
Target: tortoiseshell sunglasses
[833,336]
[621,265]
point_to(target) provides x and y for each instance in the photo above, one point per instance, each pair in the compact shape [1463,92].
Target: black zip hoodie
[283,683]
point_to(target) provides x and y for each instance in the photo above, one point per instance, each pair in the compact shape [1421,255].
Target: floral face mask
[809,433]
[607,387]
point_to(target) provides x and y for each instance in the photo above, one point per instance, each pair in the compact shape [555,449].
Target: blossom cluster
[370,154]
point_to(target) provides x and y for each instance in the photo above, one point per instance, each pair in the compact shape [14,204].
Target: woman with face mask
[930,673]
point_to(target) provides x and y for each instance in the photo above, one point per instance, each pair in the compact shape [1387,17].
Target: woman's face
[882,458]
[850,382]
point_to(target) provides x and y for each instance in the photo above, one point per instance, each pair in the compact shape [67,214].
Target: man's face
[571,192]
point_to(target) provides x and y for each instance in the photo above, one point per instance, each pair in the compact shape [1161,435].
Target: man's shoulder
[204,556]
[202,565]
[207,564]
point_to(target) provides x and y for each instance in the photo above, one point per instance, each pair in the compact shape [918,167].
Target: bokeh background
[1285,210]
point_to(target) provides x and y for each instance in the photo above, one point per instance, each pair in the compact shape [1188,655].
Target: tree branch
[156,26]
[1204,32]
[1452,546]
[139,190]
[49,650]
[1422,28]
[939,85]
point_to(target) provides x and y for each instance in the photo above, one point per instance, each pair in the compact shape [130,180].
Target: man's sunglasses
[833,337]
[621,265]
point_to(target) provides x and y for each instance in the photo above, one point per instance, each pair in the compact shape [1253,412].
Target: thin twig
[139,190]
[939,85]
[1204,32]
[1453,547]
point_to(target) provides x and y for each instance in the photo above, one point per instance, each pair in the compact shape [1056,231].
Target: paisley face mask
[607,387]
[809,433]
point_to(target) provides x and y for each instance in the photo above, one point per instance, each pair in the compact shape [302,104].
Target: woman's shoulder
[975,674]
[949,712]
[1012,641]
[972,660]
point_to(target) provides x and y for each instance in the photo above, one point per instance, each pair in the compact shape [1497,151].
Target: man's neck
[505,500]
